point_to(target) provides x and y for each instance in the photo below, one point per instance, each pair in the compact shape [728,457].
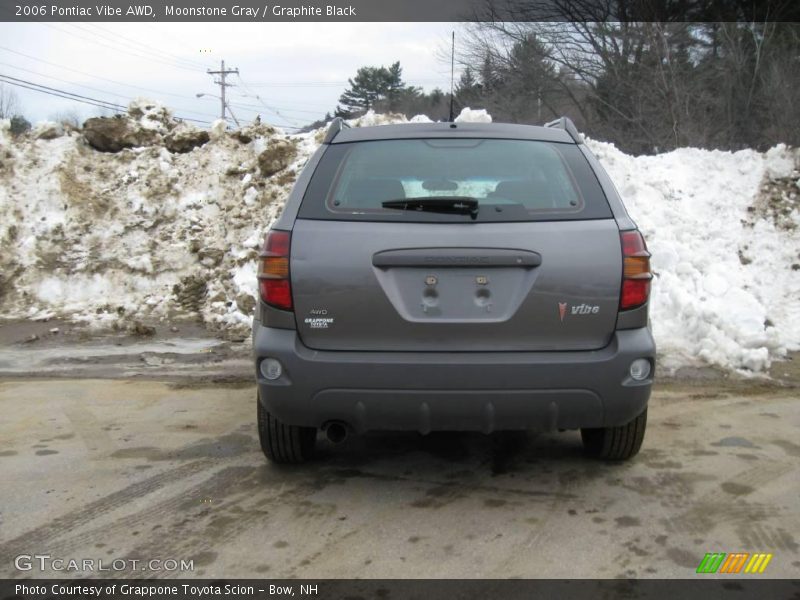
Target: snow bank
[108,238]
[47,130]
[469,115]
[727,274]
[218,128]
[150,114]
[5,127]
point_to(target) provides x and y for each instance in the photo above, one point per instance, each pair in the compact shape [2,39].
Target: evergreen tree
[394,84]
[19,125]
[369,86]
[467,83]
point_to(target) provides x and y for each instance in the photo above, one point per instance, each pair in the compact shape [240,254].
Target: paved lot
[106,469]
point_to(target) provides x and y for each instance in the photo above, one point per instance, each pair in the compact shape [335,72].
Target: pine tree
[369,86]
[394,84]
[467,83]
[19,125]
[468,90]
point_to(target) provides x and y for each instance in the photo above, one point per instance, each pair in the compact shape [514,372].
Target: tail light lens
[636,274]
[273,270]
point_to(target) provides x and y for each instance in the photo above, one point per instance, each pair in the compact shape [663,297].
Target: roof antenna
[452,72]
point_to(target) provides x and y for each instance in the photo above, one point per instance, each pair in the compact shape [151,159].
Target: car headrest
[518,191]
[369,193]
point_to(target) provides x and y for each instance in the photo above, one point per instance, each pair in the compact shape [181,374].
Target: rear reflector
[634,293]
[636,274]
[277,243]
[277,293]
[273,270]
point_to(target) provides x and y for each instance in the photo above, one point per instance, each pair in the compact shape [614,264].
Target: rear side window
[511,180]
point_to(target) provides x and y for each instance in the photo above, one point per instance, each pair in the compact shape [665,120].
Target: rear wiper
[463,205]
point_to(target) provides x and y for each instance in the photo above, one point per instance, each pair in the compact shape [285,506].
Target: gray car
[453,276]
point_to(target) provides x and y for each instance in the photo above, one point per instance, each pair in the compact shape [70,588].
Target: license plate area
[441,294]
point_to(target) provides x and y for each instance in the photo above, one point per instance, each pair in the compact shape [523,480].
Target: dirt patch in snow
[278,155]
[779,201]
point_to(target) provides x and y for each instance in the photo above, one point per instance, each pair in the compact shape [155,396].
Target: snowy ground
[142,234]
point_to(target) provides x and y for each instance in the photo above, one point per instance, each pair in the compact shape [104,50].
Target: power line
[174,36]
[335,83]
[275,110]
[127,47]
[9,65]
[156,55]
[309,107]
[61,93]
[130,52]
[94,89]
[258,110]
[318,106]
[265,105]
[33,86]
[37,87]
[144,48]
[136,87]
[282,108]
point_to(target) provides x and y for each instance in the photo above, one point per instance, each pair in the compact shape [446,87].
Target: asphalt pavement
[141,469]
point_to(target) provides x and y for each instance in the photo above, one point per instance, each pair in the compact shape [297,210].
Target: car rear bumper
[467,391]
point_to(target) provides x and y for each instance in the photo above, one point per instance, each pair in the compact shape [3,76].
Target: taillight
[636,273]
[273,270]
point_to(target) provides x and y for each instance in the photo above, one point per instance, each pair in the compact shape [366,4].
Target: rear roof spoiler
[334,128]
[567,125]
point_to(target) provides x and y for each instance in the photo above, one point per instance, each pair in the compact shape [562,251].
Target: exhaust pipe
[336,432]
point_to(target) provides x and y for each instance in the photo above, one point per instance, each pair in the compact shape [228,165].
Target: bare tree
[638,74]
[68,118]
[9,102]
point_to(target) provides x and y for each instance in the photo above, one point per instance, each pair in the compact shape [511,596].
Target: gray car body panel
[392,308]
[430,376]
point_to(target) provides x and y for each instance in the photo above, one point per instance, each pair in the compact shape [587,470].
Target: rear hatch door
[536,267]
[518,286]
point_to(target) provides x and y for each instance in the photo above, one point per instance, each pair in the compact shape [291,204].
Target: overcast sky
[298,70]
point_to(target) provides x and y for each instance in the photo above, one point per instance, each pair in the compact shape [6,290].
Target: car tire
[616,443]
[281,443]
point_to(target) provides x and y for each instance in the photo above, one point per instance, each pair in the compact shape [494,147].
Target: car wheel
[283,443]
[615,443]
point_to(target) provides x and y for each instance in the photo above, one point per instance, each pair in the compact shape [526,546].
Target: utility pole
[222,85]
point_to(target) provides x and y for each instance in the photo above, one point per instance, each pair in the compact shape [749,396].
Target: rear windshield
[511,180]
